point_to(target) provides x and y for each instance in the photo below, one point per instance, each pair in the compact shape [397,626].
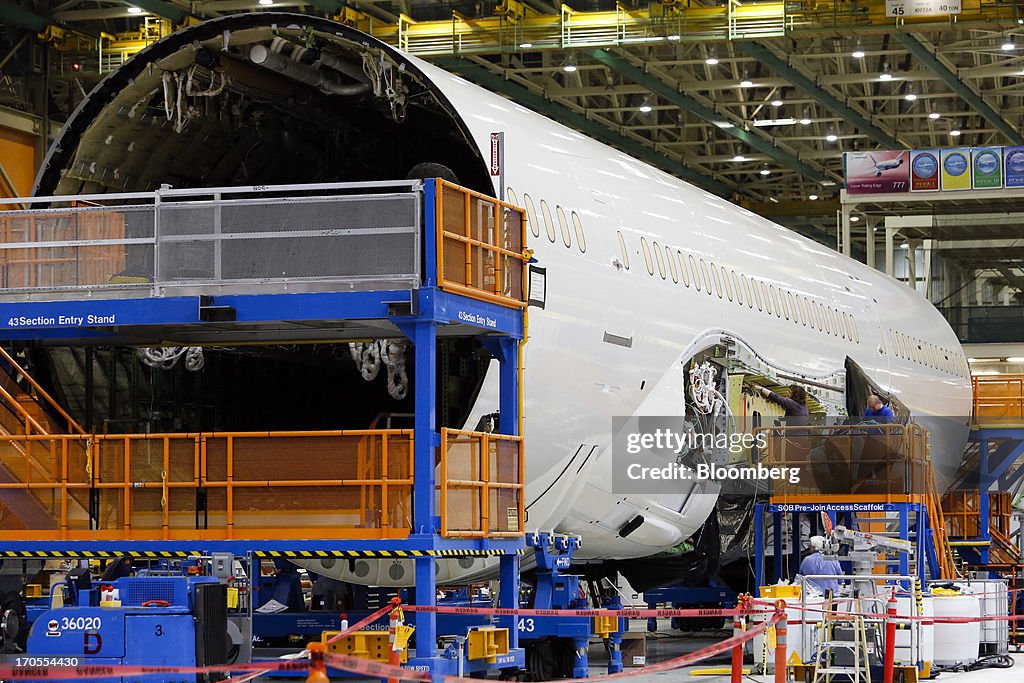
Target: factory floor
[668,644]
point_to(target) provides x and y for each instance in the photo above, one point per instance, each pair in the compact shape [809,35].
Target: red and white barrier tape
[903,617]
[626,613]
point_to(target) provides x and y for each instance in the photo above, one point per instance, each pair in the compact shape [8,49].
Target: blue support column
[423,334]
[777,542]
[758,549]
[508,595]
[794,564]
[904,512]
[984,484]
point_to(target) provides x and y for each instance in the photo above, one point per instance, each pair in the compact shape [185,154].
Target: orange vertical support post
[737,652]
[394,657]
[468,218]
[781,646]
[889,665]
[384,516]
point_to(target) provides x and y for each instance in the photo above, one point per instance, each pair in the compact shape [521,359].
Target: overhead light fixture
[740,157]
[570,64]
[1015,359]
[266,3]
[1008,44]
[712,59]
[828,183]
[813,197]
[673,37]
[773,200]
[854,219]
[874,229]
[911,95]
[765,170]
[761,123]
[137,10]
[777,102]
[904,246]
[984,360]
[934,115]
[805,120]
[858,51]
[831,137]
[955,133]
[645,106]
[886,74]
[746,82]
[724,124]
[522,45]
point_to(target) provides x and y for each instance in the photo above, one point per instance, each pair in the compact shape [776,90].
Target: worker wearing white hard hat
[816,564]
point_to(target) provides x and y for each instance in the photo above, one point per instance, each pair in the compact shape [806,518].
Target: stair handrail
[72,424]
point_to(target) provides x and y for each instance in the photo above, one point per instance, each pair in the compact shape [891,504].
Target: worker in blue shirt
[815,563]
[878,411]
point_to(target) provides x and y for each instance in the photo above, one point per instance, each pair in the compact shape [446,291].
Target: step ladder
[832,643]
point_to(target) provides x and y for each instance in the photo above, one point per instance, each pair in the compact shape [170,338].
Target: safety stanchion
[890,640]
[780,642]
[394,657]
[317,666]
[737,651]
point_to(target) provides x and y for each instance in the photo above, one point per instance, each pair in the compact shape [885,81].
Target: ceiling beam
[624,67]
[525,97]
[162,9]
[826,99]
[17,15]
[953,82]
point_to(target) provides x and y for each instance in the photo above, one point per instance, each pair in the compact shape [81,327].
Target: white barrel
[801,638]
[993,596]
[956,643]
[915,643]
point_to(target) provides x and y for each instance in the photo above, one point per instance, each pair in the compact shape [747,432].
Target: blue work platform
[286,264]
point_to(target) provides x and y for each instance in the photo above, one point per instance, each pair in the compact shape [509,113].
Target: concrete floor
[668,644]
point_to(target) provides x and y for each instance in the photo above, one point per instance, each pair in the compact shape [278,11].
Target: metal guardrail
[986,324]
[264,239]
[481,483]
[998,397]
[883,462]
[289,237]
[346,484]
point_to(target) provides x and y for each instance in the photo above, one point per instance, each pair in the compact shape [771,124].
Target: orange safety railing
[998,396]
[334,484]
[481,484]
[876,462]
[480,246]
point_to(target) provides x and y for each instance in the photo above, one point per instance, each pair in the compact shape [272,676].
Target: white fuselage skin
[575,381]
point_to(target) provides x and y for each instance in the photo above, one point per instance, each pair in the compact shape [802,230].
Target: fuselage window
[736,286]
[835,321]
[549,224]
[841,319]
[704,276]
[856,332]
[824,315]
[777,299]
[787,299]
[801,304]
[696,273]
[671,264]
[625,252]
[682,267]
[563,224]
[531,216]
[647,255]
[747,291]
[718,281]
[727,283]
[581,240]
[512,197]
[661,259]
[767,298]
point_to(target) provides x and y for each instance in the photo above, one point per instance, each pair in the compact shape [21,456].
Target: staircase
[28,414]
